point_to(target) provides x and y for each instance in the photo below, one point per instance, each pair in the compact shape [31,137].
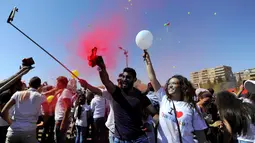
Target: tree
[218,84]
[220,80]
[214,81]
[217,87]
[207,85]
[210,84]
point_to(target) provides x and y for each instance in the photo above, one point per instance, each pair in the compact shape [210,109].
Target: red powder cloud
[105,34]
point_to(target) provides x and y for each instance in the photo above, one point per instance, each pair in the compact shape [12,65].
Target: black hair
[187,90]
[130,71]
[204,95]
[80,105]
[238,113]
[35,82]
[119,79]
[120,75]
[211,90]
[149,87]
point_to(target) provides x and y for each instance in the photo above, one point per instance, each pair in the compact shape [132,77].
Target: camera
[28,62]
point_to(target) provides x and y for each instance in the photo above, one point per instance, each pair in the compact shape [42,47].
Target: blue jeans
[81,136]
[151,133]
[141,139]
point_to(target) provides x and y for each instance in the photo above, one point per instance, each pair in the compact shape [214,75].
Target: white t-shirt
[60,109]
[188,119]
[83,119]
[110,119]
[154,101]
[153,98]
[98,106]
[27,111]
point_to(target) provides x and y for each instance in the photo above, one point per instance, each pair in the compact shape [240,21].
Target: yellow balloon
[76,73]
[50,98]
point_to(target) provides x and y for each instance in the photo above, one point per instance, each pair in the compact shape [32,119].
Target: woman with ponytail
[80,114]
[238,118]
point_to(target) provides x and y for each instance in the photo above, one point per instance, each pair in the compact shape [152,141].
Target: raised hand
[100,62]
[146,57]
[145,54]
[83,83]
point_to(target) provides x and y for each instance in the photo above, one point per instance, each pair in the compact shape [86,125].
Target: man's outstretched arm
[93,89]
[105,77]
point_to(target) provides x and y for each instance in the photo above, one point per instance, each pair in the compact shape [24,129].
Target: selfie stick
[10,19]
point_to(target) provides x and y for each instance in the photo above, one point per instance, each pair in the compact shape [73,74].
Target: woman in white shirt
[81,116]
[238,118]
[178,117]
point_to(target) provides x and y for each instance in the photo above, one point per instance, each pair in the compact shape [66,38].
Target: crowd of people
[120,113]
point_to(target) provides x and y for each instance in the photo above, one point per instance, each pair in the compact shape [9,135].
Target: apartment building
[245,74]
[223,73]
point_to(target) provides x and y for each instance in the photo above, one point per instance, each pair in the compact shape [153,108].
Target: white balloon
[144,39]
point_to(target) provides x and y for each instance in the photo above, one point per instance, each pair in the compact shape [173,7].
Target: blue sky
[195,41]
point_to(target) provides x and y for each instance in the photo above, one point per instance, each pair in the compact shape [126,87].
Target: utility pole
[126,54]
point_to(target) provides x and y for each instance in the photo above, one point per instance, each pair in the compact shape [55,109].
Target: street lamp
[126,54]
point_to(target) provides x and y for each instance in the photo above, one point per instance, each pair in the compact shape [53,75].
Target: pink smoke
[105,34]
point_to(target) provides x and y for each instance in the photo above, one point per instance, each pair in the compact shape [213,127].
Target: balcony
[217,75]
[220,71]
[219,68]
